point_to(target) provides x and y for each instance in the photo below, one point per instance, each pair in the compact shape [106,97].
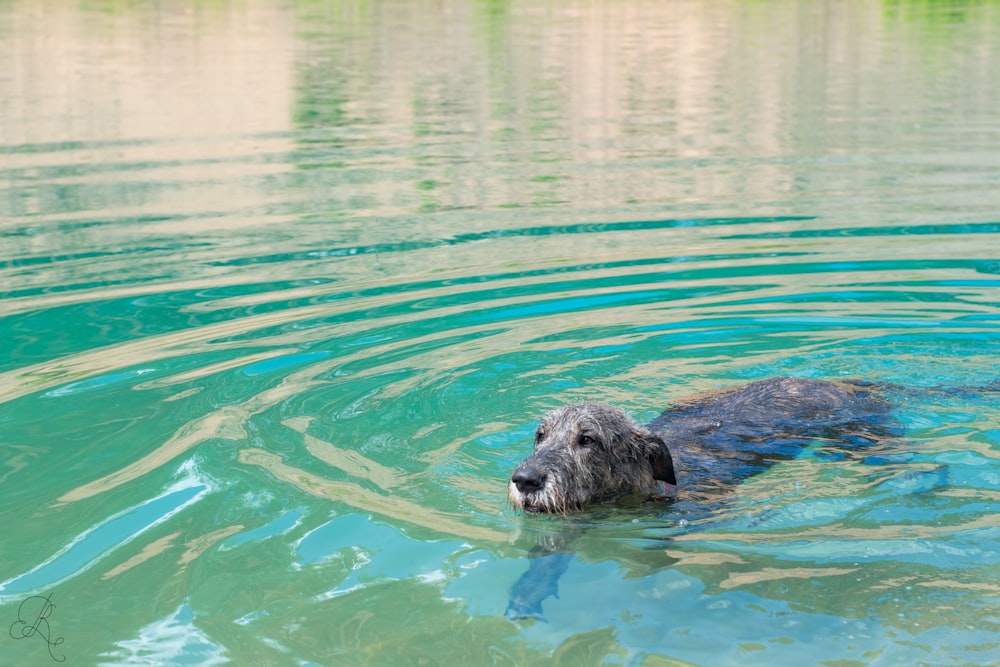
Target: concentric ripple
[284,288]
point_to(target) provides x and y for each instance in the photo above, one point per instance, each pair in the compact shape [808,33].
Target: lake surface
[285,286]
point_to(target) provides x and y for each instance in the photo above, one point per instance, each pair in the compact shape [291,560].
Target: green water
[284,287]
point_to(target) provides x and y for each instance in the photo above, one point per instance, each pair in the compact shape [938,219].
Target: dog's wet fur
[593,452]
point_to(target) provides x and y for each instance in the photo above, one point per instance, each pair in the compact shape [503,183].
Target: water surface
[284,287]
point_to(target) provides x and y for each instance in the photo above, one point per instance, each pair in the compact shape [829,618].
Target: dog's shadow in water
[551,549]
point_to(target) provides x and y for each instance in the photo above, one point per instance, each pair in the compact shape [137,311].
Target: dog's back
[720,438]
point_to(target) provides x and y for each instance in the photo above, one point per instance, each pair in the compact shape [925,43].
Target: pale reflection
[348,460]
[951,584]
[107,75]
[154,548]
[368,501]
[212,369]
[711,558]
[94,543]
[200,545]
[195,548]
[226,423]
[737,579]
[49,374]
[173,640]
[843,536]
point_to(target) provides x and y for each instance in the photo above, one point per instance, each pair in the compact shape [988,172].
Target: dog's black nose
[528,479]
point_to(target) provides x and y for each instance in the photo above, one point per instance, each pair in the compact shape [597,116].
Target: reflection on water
[171,640]
[95,543]
[285,286]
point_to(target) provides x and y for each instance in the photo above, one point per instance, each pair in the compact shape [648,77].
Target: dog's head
[590,453]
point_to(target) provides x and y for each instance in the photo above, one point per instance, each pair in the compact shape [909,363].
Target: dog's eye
[539,434]
[585,441]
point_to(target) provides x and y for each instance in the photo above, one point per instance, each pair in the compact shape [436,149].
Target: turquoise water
[285,286]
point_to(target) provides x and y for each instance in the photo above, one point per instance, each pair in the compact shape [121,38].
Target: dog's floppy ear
[660,460]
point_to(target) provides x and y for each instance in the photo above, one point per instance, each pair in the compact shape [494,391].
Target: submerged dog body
[593,452]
